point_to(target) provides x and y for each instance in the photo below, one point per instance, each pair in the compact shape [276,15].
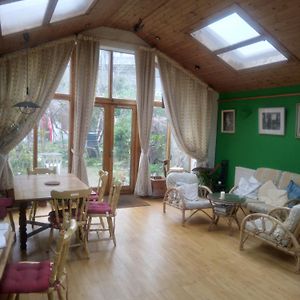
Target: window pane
[21,157]
[122,145]
[178,157]
[64,85]
[21,15]
[225,32]
[94,146]
[124,77]
[158,140]
[103,74]
[68,9]
[158,96]
[253,55]
[53,137]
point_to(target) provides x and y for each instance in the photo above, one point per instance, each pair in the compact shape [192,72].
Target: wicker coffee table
[227,208]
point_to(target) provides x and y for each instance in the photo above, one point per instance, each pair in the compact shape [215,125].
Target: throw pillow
[293,190]
[270,194]
[247,187]
[189,191]
[290,223]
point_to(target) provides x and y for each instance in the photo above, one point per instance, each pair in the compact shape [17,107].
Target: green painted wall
[246,147]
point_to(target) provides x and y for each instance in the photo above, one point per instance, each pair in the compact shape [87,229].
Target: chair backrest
[40,171]
[61,252]
[69,205]
[114,196]
[102,183]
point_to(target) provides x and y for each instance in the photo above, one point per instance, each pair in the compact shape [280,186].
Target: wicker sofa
[280,179]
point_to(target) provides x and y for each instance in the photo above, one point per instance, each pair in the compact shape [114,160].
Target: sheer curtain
[46,65]
[87,62]
[145,71]
[188,109]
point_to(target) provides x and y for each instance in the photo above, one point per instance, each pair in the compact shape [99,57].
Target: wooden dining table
[28,188]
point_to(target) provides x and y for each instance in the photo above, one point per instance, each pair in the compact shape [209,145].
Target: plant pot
[158,184]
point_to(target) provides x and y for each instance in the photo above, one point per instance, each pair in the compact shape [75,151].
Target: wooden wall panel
[173,20]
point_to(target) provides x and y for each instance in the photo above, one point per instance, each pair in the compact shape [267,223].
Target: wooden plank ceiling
[173,20]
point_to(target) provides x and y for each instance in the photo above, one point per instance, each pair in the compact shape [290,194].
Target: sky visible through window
[232,30]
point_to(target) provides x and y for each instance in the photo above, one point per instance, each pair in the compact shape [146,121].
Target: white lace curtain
[188,109]
[87,62]
[46,65]
[145,71]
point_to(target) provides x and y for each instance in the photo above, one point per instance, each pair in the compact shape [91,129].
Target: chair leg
[11,220]
[111,229]
[82,237]
[183,217]
[50,239]
[243,239]
[50,295]
[298,263]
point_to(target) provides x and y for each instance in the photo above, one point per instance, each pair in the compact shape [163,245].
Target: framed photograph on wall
[298,120]
[271,120]
[228,121]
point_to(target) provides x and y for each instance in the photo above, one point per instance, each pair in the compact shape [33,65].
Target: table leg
[22,225]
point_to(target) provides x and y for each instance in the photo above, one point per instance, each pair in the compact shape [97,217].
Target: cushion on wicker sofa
[276,198]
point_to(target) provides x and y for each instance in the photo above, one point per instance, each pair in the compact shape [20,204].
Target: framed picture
[228,121]
[271,120]
[298,120]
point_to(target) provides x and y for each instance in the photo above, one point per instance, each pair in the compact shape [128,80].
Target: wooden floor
[156,258]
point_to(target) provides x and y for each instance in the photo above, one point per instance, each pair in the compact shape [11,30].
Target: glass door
[111,145]
[94,146]
[122,146]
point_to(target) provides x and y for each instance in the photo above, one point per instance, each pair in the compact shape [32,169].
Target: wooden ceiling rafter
[172,21]
[49,11]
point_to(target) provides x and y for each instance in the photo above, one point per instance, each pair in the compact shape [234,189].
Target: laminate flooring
[158,259]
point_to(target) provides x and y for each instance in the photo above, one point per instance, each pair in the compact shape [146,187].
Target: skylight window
[225,32]
[235,41]
[22,15]
[66,9]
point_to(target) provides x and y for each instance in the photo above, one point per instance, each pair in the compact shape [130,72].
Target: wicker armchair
[175,196]
[280,229]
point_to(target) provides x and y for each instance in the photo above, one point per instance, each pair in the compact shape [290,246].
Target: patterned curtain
[188,109]
[87,62]
[145,71]
[46,65]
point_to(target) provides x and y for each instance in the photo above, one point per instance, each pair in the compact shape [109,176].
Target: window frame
[263,35]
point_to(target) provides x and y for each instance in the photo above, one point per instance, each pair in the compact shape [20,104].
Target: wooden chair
[6,208]
[34,204]
[40,277]
[66,206]
[105,211]
[175,195]
[102,183]
[280,229]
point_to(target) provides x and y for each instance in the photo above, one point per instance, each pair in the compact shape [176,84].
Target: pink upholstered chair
[104,211]
[6,204]
[40,277]
[102,183]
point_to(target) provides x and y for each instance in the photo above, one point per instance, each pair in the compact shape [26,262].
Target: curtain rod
[258,97]
[38,47]
[177,65]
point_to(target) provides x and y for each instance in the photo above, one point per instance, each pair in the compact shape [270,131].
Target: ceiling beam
[8,1]
[49,11]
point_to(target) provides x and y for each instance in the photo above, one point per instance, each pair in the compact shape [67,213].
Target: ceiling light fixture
[27,106]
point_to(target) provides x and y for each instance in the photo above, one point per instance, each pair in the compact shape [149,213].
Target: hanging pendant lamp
[27,106]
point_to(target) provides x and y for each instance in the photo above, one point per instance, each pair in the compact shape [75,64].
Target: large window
[53,137]
[94,146]
[238,43]
[158,142]
[20,158]
[50,136]
[124,76]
